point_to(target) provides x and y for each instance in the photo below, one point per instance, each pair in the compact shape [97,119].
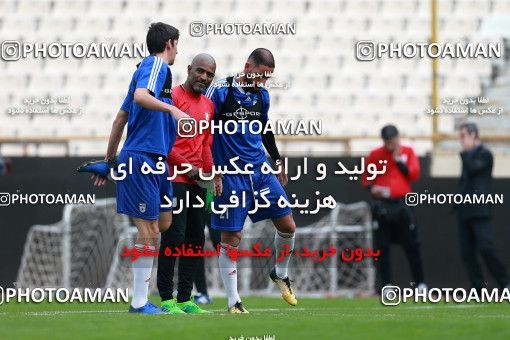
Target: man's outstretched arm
[116,134]
[113,142]
[143,98]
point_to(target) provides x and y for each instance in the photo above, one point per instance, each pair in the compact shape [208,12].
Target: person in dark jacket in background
[475,234]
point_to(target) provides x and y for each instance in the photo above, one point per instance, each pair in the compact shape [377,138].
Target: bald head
[203,58]
[200,73]
[260,66]
[261,57]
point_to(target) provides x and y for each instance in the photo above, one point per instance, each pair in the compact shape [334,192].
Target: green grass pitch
[338,318]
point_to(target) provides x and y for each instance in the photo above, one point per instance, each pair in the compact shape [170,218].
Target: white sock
[228,271]
[280,242]
[142,269]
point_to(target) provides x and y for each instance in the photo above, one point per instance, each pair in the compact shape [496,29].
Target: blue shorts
[140,195]
[233,219]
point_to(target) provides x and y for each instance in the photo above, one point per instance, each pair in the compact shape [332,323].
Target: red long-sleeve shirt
[193,150]
[393,178]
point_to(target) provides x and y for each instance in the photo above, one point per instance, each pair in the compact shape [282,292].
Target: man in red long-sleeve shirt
[394,220]
[188,225]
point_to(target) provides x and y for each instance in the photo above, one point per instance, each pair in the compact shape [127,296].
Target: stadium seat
[472,7]
[328,7]
[8,6]
[341,44]
[179,8]
[417,84]
[479,67]
[98,65]
[501,7]
[86,81]
[409,104]
[283,6]
[316,23]
[12,82]
[369,8]
[295,101]
[459,26]
[50,25]
[33,7]
[336,101]
[350,26]
[15,26]
[125,26]
[70,7]
[107,103]
[46,81]
[271,43]
[445,7]
[385,83]
[371,103]
[98,24]
[389,25]
[311,81]
[416,29]
[345,82]
[399,7]
[461,86]
[293,43]
[98,7]
[263,8]
[288,64]
[142,8]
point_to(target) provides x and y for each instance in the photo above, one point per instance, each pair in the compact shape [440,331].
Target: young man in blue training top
[151,132]
[240,101]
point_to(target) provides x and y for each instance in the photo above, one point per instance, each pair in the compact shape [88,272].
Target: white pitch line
[66,312]
[506,316]
[444,306]
[262,309]
[45,313]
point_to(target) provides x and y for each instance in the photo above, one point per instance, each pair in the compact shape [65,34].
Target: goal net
[84,250]
[77,252]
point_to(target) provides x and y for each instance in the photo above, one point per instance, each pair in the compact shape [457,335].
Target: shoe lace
[193,304]
[287,283]
[152,306]
[169,305]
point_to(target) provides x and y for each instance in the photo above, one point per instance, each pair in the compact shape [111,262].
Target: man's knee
[165,221]
[232,238]
[148,231]
[285,224]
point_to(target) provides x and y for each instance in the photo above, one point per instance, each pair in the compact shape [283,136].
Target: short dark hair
[389,131]
[262,56]
[157,36]
[471,128]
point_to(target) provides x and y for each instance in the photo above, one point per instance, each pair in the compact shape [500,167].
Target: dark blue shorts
[233,219]
[141,195]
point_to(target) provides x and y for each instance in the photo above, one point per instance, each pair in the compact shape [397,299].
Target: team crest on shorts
[142,207]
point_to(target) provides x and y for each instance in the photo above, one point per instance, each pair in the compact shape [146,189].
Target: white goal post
[83,251]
